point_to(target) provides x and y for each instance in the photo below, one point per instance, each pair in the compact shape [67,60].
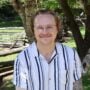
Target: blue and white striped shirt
[33,72]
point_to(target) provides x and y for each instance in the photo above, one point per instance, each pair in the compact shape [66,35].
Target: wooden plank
[11,51]
[5,69]
[6,73]
[2,75]
[7,63]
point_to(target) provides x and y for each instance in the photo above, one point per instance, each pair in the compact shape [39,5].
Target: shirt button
[49,78]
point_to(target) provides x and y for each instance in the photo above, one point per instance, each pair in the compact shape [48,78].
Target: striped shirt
[33,72]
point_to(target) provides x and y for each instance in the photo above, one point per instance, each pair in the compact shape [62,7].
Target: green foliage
[3,2]
[53,4]
[13,22]
[74,3]
[89,2]
[6,10]
[49,4]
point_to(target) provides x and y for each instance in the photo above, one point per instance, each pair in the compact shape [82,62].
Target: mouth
[45,35]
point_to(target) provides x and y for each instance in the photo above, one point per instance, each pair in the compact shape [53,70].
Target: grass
[70,42]
[8,58]
[86,81]
[7,85]
[7,30]
[10,34]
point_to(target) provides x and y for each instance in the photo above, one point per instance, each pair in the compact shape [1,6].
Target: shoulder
[28,48]
[64,47]
[26,52]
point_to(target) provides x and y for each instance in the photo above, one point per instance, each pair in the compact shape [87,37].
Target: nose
[45,30]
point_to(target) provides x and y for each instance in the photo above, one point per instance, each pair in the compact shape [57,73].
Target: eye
[39,28]
[49,27]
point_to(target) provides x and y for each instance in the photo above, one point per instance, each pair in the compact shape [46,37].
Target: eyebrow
[46,25]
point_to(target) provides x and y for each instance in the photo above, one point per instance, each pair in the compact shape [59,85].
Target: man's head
[43,12]
[45,26]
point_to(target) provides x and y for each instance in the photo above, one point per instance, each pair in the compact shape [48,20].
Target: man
[46,64]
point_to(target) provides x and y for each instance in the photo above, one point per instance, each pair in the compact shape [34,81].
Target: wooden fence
[6,68]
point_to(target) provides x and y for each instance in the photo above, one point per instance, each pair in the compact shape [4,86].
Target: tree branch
[19,7]
[16,4]
[73,25]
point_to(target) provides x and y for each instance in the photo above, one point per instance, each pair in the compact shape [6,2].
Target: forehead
[44,19]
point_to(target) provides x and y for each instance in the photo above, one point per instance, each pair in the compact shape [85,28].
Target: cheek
[36,34]
[55,33]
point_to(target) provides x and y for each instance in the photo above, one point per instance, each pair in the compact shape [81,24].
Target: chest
[52,75]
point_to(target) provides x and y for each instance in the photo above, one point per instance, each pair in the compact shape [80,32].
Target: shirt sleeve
[77,67]
[19,76]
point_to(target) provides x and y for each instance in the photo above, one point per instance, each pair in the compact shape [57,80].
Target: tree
[25,9]
[82,44]
[6,10]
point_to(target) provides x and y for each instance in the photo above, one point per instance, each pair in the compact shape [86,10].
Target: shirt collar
[35,52]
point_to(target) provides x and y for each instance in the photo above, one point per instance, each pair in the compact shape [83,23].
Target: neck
[46,50]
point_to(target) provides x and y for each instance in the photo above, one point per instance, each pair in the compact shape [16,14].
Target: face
[45,29]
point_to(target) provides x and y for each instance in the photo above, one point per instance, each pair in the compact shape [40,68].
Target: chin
[46,43]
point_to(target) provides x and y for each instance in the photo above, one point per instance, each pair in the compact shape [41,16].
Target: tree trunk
[77,36]
[87,32]
[74,27]
[25,10]
[86,62]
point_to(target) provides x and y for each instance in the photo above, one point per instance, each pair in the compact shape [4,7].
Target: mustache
[45,35]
